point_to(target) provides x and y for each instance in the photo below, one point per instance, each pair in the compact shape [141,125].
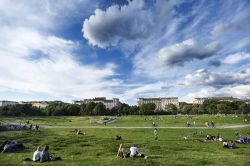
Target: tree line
[211,106]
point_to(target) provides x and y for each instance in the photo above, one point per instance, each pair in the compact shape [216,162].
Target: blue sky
[69,50]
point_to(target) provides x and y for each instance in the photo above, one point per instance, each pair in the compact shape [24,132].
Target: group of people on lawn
[134,152]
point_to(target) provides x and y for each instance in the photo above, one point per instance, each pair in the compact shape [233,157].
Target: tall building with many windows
[160,103]
[108,103]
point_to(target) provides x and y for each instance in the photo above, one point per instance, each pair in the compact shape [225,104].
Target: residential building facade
[40,104]
[227,98]
[223,98]
[160,103]
[109,104]
[6,103]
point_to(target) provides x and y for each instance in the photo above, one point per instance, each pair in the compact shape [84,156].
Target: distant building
[40,104]
[6,103]
[109,104]
[199,100]
[247,101]
[223,98]
[160,103]
[227,98]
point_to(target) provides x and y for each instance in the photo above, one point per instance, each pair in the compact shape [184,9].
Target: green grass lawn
[99,147]
[134,120]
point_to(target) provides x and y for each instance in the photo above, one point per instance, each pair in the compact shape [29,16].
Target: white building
[160,103]
[6,103]
[40,104]
[223,98]
[199,100]
[109,104]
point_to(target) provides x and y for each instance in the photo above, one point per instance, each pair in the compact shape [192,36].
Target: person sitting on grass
[206,124]
[229,144]
[45,156]
[121,152]
[225,144]
[37,154]
[232,145]
[3,145]
[78,132]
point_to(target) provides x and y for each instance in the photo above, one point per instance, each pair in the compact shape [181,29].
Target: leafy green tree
[89,108]
[244,108]
[134,110]
[82,109]
[195,109]
[171,108]
[210,106]
[222,108]
[99,109]
[147,109]
[187,109]
[72,110]
[201,109]
[115,110]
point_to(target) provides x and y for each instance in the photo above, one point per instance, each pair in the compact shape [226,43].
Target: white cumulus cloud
[115,24]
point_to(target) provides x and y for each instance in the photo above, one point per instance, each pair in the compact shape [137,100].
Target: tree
[99,109]
[89,108]
[115,110]
[82,109]
[222,108]
[134,110]
[171,108]
[187,109]
[201,109]
[147,109]
[72,109]
[195,109]
[244,108]
[210,106]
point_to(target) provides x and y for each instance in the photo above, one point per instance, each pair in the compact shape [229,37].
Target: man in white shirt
[133,151]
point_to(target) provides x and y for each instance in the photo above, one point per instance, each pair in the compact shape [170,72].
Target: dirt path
[137,127]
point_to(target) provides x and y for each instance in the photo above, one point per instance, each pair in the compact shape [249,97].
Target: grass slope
[99,147]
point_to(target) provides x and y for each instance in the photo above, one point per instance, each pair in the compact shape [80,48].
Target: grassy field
[99,147]
[142,121]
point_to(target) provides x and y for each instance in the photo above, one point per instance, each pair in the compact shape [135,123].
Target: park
[177,143]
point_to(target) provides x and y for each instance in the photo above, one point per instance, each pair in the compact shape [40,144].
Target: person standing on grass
[156,134]
[153,124]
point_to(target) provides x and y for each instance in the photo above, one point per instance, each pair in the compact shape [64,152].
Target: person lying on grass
[243,139]
[11,146]
[229,144]
[134,152]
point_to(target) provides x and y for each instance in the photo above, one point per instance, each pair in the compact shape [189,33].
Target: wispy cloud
[237,57]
